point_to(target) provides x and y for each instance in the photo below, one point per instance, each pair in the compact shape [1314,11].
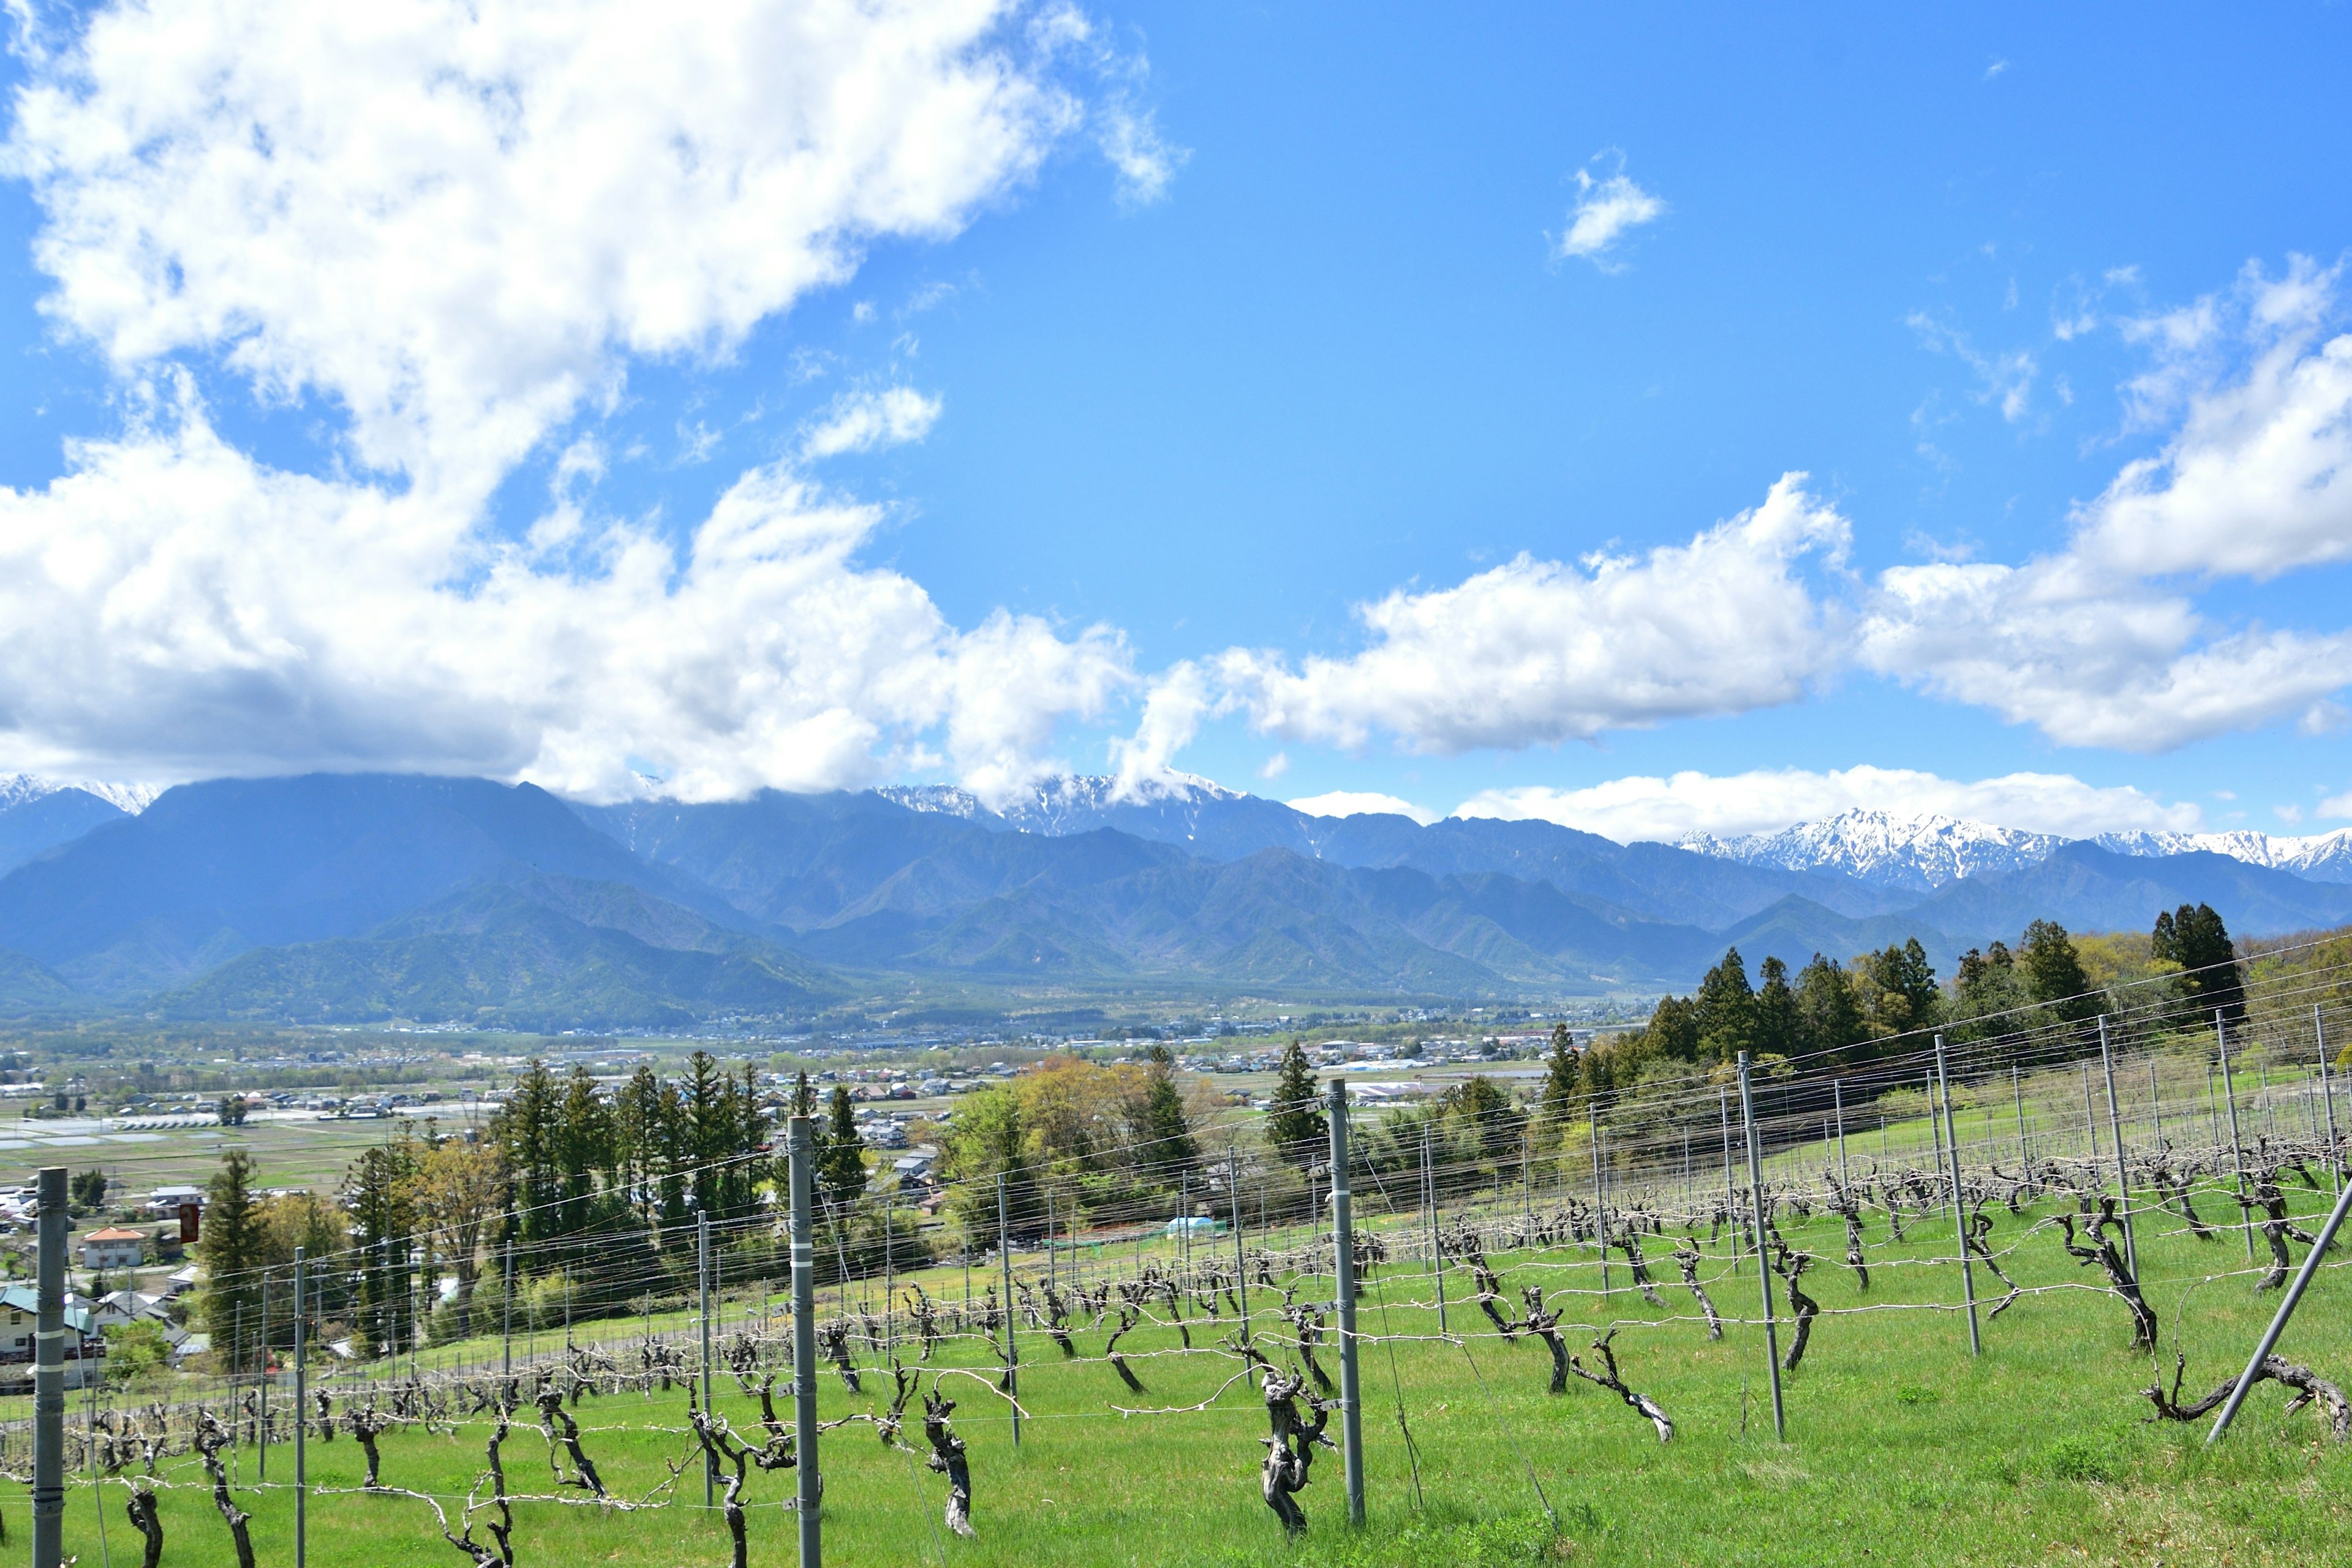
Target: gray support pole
[1351,1423]
[1960,1210]
[2091,1122]
[2017,1089]
[301,1421]
[702,1288]
[1935,1125]
[1599,1199]
[2115,1135]
[1436,1253]
[1763,1270]
[49,1373]
[2155,1100]
[2327,1095]
[1241,1259]
[891,1277]
[2236,1144]
[1526,1188]
[1837,1093]
[1012,1352]
[801,1156]
[506,1353]
[2285,1311]
[1730,1199]
[261,1458]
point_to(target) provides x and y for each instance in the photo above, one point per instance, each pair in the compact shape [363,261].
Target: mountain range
[368,898]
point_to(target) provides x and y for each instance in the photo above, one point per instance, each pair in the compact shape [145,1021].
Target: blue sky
[1220,326]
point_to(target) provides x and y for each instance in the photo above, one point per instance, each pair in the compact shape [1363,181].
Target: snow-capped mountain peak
[1925,852]
[23,789]
[1922,852]
[1070,803]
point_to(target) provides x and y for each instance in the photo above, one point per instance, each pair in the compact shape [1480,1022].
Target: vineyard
[1568,1360]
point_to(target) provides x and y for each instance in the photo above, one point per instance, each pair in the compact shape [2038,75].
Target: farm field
[1902,1447]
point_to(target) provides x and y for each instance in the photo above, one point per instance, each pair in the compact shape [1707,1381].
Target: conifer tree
[1165,1149]
[1775,1027]
[1294,1124]
[233,1245]
[841,1157]
[1829,1020]
[1560,1078]
[2054,974]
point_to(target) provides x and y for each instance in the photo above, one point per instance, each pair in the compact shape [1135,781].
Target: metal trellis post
[801,1160]
[1960,1210]
[1599,1199]
[1730,1200]
[2285,1311]
[1012,1352]
[2327,1095]
[702,1288]
[2236,1144]
[2115,1134]
[1837,1096]
[1351,1425]
[1241,1260]
[1763,1272]
[506,1353]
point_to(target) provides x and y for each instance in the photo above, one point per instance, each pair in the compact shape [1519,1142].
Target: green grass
[1902,1447]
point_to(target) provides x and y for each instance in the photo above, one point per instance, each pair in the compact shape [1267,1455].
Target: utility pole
[801,1157]
[1960,1210]
[1351,1425]
[1763,1270]
[49,1373]
[302,1422]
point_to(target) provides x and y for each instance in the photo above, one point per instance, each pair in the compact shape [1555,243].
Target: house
[115,1247]
[19,1306]
[164,1201]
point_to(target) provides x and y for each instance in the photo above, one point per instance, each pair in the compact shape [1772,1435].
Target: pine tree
[1726,1009]
[1294,1121]
[2194,938]
[233,1247]
[1829,1020]
[706,1128]
[1165,1151]
[1775,1029]
[1560,1078]
[2054,974]
[527,1129]
[841,1156]
[377,1193]
[803,1095]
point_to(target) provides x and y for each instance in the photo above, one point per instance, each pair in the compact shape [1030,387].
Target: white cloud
[865,421]
[1668,809]
[1172,710]
[170,609]
[2089,660]
[453,220]
[2335,807]
[2257,478]
[453,226]
[1605,209]
[1534,652]
[1361,803]
[2004,379]
[1275,766]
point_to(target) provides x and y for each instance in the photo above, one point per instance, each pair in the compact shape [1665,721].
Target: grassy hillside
[1902,1448]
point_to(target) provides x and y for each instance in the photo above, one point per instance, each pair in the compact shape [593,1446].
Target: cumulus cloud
[452,220]
[2089,660]
[1361,803]
[2254,480]
[171,608]
[864,421]
[2257,478]
[1669,809]
[1605,209]
[451,229]
[1534,652]
[1142,764]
